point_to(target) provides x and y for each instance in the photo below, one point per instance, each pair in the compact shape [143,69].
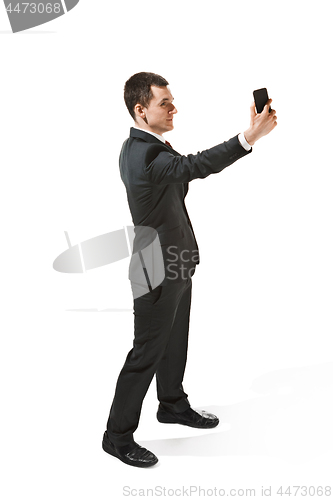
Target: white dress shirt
[241,138]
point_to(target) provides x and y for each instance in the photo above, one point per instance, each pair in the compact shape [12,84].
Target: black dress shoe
[131,454]
[202,420]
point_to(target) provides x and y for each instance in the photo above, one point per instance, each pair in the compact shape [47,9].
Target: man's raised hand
[260,123]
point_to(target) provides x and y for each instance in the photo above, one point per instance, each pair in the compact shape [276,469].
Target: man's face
[159,114]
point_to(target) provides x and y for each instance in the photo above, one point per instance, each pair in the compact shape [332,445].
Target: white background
[260,339]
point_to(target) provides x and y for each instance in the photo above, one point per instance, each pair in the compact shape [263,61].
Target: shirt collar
[160,137]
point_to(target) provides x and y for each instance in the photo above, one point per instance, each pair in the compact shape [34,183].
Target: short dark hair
[137,90]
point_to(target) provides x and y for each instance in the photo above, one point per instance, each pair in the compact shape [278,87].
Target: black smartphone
[260,99]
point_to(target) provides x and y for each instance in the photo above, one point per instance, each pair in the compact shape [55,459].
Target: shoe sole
[108,449]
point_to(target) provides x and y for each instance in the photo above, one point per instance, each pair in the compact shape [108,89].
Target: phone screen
[260,99]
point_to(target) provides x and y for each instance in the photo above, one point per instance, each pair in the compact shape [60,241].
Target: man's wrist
[244,142]
[249,137]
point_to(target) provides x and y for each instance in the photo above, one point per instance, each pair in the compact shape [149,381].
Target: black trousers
[161,325]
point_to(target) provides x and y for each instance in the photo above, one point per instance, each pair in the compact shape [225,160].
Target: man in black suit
[156,178]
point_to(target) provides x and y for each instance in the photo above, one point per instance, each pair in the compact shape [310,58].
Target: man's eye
[163,104]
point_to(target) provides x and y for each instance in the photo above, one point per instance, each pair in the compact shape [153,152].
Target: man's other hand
[260,123]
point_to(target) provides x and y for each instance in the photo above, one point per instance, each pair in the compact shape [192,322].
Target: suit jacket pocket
[171,236]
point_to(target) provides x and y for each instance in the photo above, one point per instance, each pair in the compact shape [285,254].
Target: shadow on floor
[291,418]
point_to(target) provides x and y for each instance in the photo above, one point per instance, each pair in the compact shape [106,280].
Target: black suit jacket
[156,178]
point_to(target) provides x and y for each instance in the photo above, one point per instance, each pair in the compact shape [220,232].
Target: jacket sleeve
[162,167]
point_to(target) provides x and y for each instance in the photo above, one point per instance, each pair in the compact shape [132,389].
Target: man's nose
[173,110]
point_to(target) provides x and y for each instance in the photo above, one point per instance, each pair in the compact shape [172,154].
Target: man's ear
[140,111]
